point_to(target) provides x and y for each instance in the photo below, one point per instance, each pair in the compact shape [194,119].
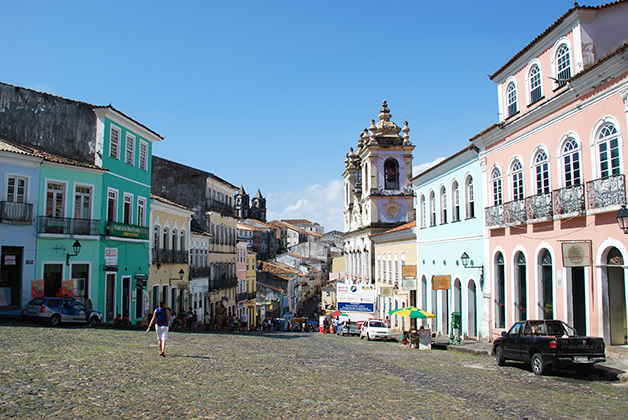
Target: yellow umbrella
[411,312]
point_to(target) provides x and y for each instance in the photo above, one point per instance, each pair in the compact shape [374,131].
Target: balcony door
[11,278]
[82,210]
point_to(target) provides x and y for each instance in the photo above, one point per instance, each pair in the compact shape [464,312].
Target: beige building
[394,250]
[251,287]
[169,255]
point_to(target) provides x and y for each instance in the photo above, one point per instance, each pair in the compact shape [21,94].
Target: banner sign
[441,282]
[355,297]
[37,288]
[127,231]
[409,284]
[576,254]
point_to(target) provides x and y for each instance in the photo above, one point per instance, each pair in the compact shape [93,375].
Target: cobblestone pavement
[74,372]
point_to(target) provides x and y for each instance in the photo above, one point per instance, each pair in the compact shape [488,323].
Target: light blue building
[450,222]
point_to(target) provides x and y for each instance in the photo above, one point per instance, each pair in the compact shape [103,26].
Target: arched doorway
[521,303]
[434,309]
[616,297]
[423,298]
[546,298]
[500,291]
[445,311]
[472,312]
[457,301]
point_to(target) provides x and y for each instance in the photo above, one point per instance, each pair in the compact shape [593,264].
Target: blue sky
[271,94]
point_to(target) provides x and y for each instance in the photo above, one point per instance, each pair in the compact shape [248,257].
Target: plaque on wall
[576,254]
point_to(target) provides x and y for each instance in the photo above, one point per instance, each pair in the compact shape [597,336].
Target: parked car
[375,329]
[55,310]
[547,343]
[348,328]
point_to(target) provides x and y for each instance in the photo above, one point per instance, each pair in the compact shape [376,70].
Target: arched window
[547,298]
[432,209]
[563,65]
[166,238]
[571,162]
[455,202]
[608,148]
[541,169]
[521,288]
[175,239]
[470,199]
[423,210]
[391,174]
[534,79]
[156,237]
[500,291]
[517,181]
[443,205]
[511,95]
[183,244]
[496,180]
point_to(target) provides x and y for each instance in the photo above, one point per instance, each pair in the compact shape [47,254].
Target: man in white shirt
[244,320]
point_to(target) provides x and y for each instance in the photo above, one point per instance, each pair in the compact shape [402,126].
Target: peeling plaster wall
[47,122]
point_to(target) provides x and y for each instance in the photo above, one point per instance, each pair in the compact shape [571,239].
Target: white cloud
[416,170]
[322,204]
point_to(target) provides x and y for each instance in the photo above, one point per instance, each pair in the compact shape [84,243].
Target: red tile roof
[398,228]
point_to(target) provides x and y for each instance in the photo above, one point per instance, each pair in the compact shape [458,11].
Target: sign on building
[355,297]
[576,254]
[441,282]
[408,271]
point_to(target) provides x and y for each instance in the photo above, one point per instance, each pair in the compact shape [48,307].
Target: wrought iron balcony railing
[66,226]
[539,207]
[223,282]
[16,212]
[221,207]
[242,296]
[252,295]
[165,256]
[199,272]
[494,216]
[569,200]
[606,192]
[515,212]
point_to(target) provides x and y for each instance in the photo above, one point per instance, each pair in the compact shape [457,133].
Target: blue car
[55,310]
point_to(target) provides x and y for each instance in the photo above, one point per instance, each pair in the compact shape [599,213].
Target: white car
[375,329]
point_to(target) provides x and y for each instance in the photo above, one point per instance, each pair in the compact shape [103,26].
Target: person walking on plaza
[190,320]
[160,318]
[88,310]
[244,319]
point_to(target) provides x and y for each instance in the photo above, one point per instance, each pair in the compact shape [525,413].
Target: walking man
[160,318]
[88,310]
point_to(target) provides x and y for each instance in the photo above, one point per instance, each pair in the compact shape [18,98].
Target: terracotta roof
[8,146]
[550,28]
[278,268]
[172,203]
[280,224]
[398,228]
[270,287]
[315,234]
[297,221]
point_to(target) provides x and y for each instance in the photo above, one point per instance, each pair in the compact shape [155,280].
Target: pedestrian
[244,319]
[325,326]
[190,319]
[88,311]
[207,321]
[387,322]
[160,318]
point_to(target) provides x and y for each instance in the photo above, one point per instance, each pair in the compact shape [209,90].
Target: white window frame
[114,152]
[64,197]
[496,187]
[129,149]
[560,159]
[554,60]
[423,210]
[517,179]
[511,81]
[443,205]
[141,211]
[16,177]
[91,200]
[535,176]
[529,80]
[143,159]
[455,201]
[595,143]
[432,208]
[127,212]
[112,194]
[469,196]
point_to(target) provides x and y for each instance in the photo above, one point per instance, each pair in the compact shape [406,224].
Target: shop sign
[441,282]
[127,231]
[576,254]
[408,271]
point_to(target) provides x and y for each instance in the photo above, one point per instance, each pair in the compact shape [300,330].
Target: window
[396,272]
[608,148]
[390,277]
[563,65]
[535,83]
[156,237]
[130,149]
[143,163]
[432,209]
[470,199]
[127,215]
[16,189]
[455,202]
[511,95]
[55,193]
[141,211]
[443,205]
[175,237]
[496,180]
[183,244]
[517,181]
[423,212]
[571,161]
[541,168]
[391,174]
[112,206]
[82,202]
[166,237]
[114,143]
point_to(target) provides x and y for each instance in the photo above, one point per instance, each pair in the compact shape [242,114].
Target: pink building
[553,170]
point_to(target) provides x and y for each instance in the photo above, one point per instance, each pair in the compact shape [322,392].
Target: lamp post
[181,274]
[76,247]
[465,262]
[622,218]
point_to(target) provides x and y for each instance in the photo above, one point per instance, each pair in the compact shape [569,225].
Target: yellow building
[251,287]
[169,256]
[395,249]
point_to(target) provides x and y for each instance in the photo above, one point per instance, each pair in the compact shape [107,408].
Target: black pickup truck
[547,343]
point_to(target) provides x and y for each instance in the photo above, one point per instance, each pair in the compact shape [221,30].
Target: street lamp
[76,247]
[465,261]
[622,218]
[181,274]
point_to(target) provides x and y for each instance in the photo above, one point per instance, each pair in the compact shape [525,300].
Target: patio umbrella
[339,313]
[411,312]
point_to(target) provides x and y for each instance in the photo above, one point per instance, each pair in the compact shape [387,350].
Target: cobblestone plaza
[105,373]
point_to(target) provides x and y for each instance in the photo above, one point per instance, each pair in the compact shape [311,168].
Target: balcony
[223,283]
[539,207]
[241,296]
[515,212]
[606,192]
[215,205]
[569,201]
[66,226]
[16,212]
[252,295]
[494,216]
[199,272]
[169,256]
